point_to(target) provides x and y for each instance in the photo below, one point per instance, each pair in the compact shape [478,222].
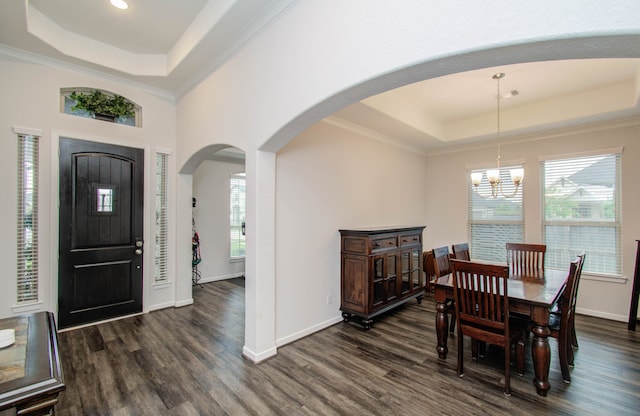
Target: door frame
[54,235]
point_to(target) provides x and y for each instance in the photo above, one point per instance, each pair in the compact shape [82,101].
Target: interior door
[100,246]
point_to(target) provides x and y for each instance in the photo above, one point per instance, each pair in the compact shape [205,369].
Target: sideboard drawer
[384,243]
[409,239]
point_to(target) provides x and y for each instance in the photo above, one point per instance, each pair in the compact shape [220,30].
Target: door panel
[100,268]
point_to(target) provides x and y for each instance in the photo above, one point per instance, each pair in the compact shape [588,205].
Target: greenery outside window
[237,214]
[100,105]
[494,221]
[581,210]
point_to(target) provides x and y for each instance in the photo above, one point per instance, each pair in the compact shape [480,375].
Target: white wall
[314,60]
[447,210]
[31,99]
[211,214]
[330,179]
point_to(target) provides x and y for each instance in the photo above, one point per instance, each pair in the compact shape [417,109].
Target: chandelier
[493,175]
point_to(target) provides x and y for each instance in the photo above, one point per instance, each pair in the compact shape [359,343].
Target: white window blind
[581,211]
[494,221]
[27,219]
[161,217]
[237,213]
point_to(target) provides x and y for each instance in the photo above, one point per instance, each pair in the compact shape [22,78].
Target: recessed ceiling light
[120,4]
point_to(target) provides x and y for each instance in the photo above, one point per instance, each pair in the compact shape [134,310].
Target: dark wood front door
[100,261]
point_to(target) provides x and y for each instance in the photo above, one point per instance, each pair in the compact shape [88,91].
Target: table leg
[442,325]
[540,350]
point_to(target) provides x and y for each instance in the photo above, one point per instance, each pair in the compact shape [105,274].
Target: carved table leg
[442,325]
[540,351]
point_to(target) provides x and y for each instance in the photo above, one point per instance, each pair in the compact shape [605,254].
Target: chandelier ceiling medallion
[493,175]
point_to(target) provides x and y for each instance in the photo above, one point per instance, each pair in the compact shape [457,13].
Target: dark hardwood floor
[187,361]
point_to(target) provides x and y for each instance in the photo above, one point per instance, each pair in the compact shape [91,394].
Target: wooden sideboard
[31,372]
[380,269]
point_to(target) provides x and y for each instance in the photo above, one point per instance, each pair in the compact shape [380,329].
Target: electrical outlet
[329,299]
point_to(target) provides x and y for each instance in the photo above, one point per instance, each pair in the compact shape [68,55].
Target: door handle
[139,244]
[138,251]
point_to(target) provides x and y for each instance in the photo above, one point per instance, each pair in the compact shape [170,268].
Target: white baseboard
[258,357]
[308,331]
[161,306]
[217,278]
[185,302]
[604,315]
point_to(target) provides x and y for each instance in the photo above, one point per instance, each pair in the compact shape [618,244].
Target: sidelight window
[161,217]
[27,219]
[237,212]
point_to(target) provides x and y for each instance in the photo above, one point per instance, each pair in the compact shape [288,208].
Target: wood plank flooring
[188,361]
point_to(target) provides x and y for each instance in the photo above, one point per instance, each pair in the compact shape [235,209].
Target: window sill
[236,260]
[162,285]
[27,307]
[605,278]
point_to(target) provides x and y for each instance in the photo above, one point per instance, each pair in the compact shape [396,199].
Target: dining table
[530,297]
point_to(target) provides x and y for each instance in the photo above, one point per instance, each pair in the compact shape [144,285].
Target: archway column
[260,268]
[184,193]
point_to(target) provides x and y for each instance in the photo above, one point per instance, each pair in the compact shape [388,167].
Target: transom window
[67,104]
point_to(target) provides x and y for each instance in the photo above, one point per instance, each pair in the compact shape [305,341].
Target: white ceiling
[169,46]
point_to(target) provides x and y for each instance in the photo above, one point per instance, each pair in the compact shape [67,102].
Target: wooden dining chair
[574,338]
[481,305]
[461,251]
[428,269]
[442,267]
[561,320]
[526,259]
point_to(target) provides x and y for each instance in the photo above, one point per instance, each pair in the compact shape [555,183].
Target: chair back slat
[526,259]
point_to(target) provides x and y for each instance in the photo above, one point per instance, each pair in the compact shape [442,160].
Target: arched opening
[217,234]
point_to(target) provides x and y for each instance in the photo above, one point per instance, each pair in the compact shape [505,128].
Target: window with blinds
[161,217]
[581,210]
[27,219]
[494,221]
[236,217]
